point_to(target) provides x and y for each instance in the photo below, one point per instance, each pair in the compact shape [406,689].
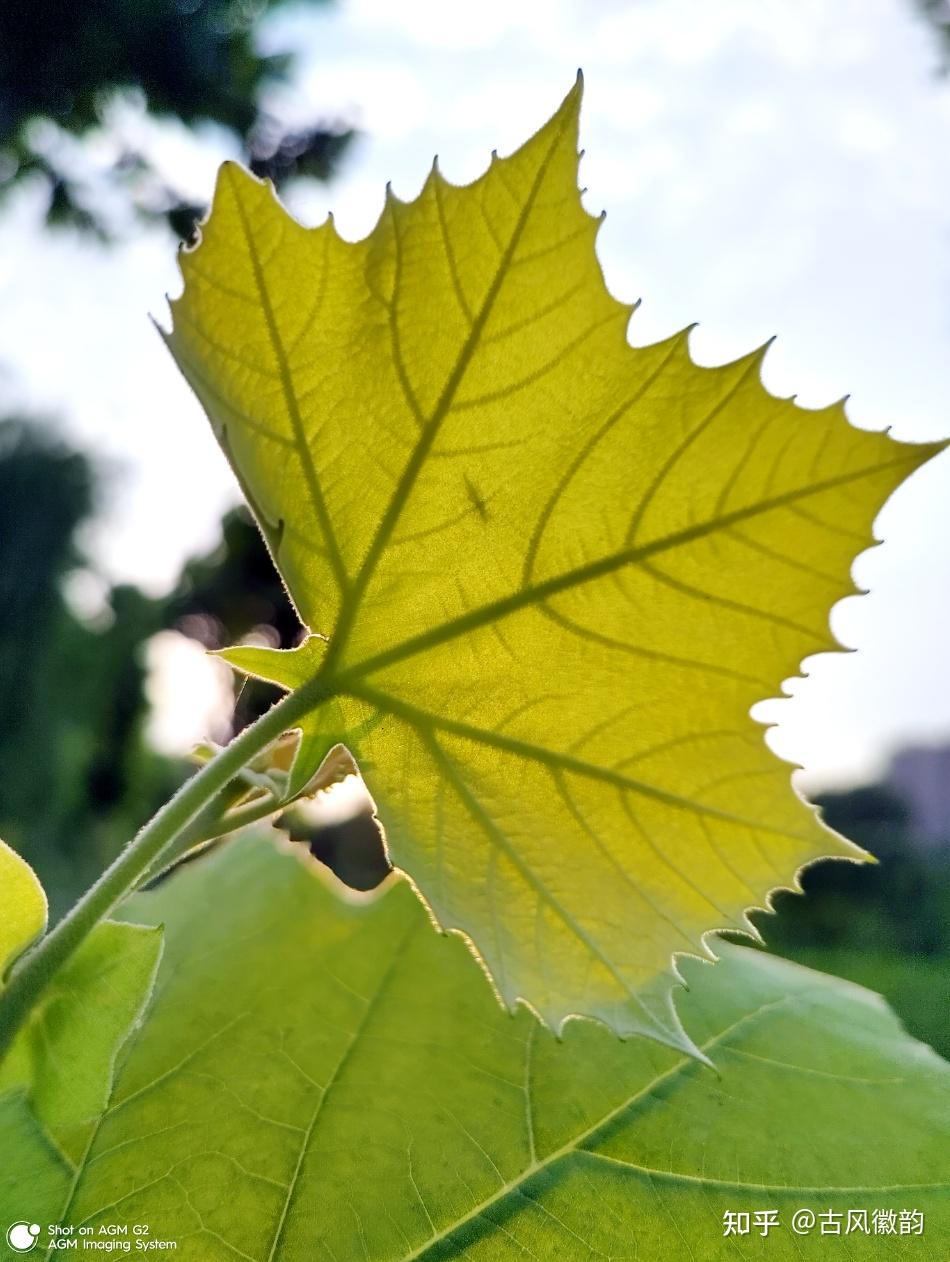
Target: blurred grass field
[917,987]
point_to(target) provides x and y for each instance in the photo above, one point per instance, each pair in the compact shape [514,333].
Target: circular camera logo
[22,1237]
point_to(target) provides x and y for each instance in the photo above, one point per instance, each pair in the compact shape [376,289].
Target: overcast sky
[768,167]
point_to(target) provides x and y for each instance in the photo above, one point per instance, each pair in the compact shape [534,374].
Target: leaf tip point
[571,105]
[230,172]
[153,321]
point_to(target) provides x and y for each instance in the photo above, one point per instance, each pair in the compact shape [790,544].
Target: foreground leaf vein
[371,1008]
[501,843]
[738,1185]
[573,1145]
[426,723]
[582,823]
[450,252]
[678,452]
[657,851]
[290,399]
[544,517]
[194,374]
[536,592]
[443,406]
[652,655]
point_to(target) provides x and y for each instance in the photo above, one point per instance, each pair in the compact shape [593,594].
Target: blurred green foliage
[78,779]
[230,594]
[80,776]
[883,925]
[193,61]
[937,12]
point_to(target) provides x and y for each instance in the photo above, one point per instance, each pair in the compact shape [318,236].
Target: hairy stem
[208,826]
[240,817]
[145,851]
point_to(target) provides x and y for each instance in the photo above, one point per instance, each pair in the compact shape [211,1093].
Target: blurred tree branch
[63,68]
[937,12]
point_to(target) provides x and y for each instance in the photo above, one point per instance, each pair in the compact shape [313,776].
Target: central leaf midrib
[430,432]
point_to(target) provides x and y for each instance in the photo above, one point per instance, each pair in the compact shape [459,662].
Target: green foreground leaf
[64,1056]
[320,1079]
[554,571]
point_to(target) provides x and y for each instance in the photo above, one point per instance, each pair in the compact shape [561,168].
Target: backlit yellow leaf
[553,571]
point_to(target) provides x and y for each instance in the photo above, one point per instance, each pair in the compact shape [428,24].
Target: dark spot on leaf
[478,503]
